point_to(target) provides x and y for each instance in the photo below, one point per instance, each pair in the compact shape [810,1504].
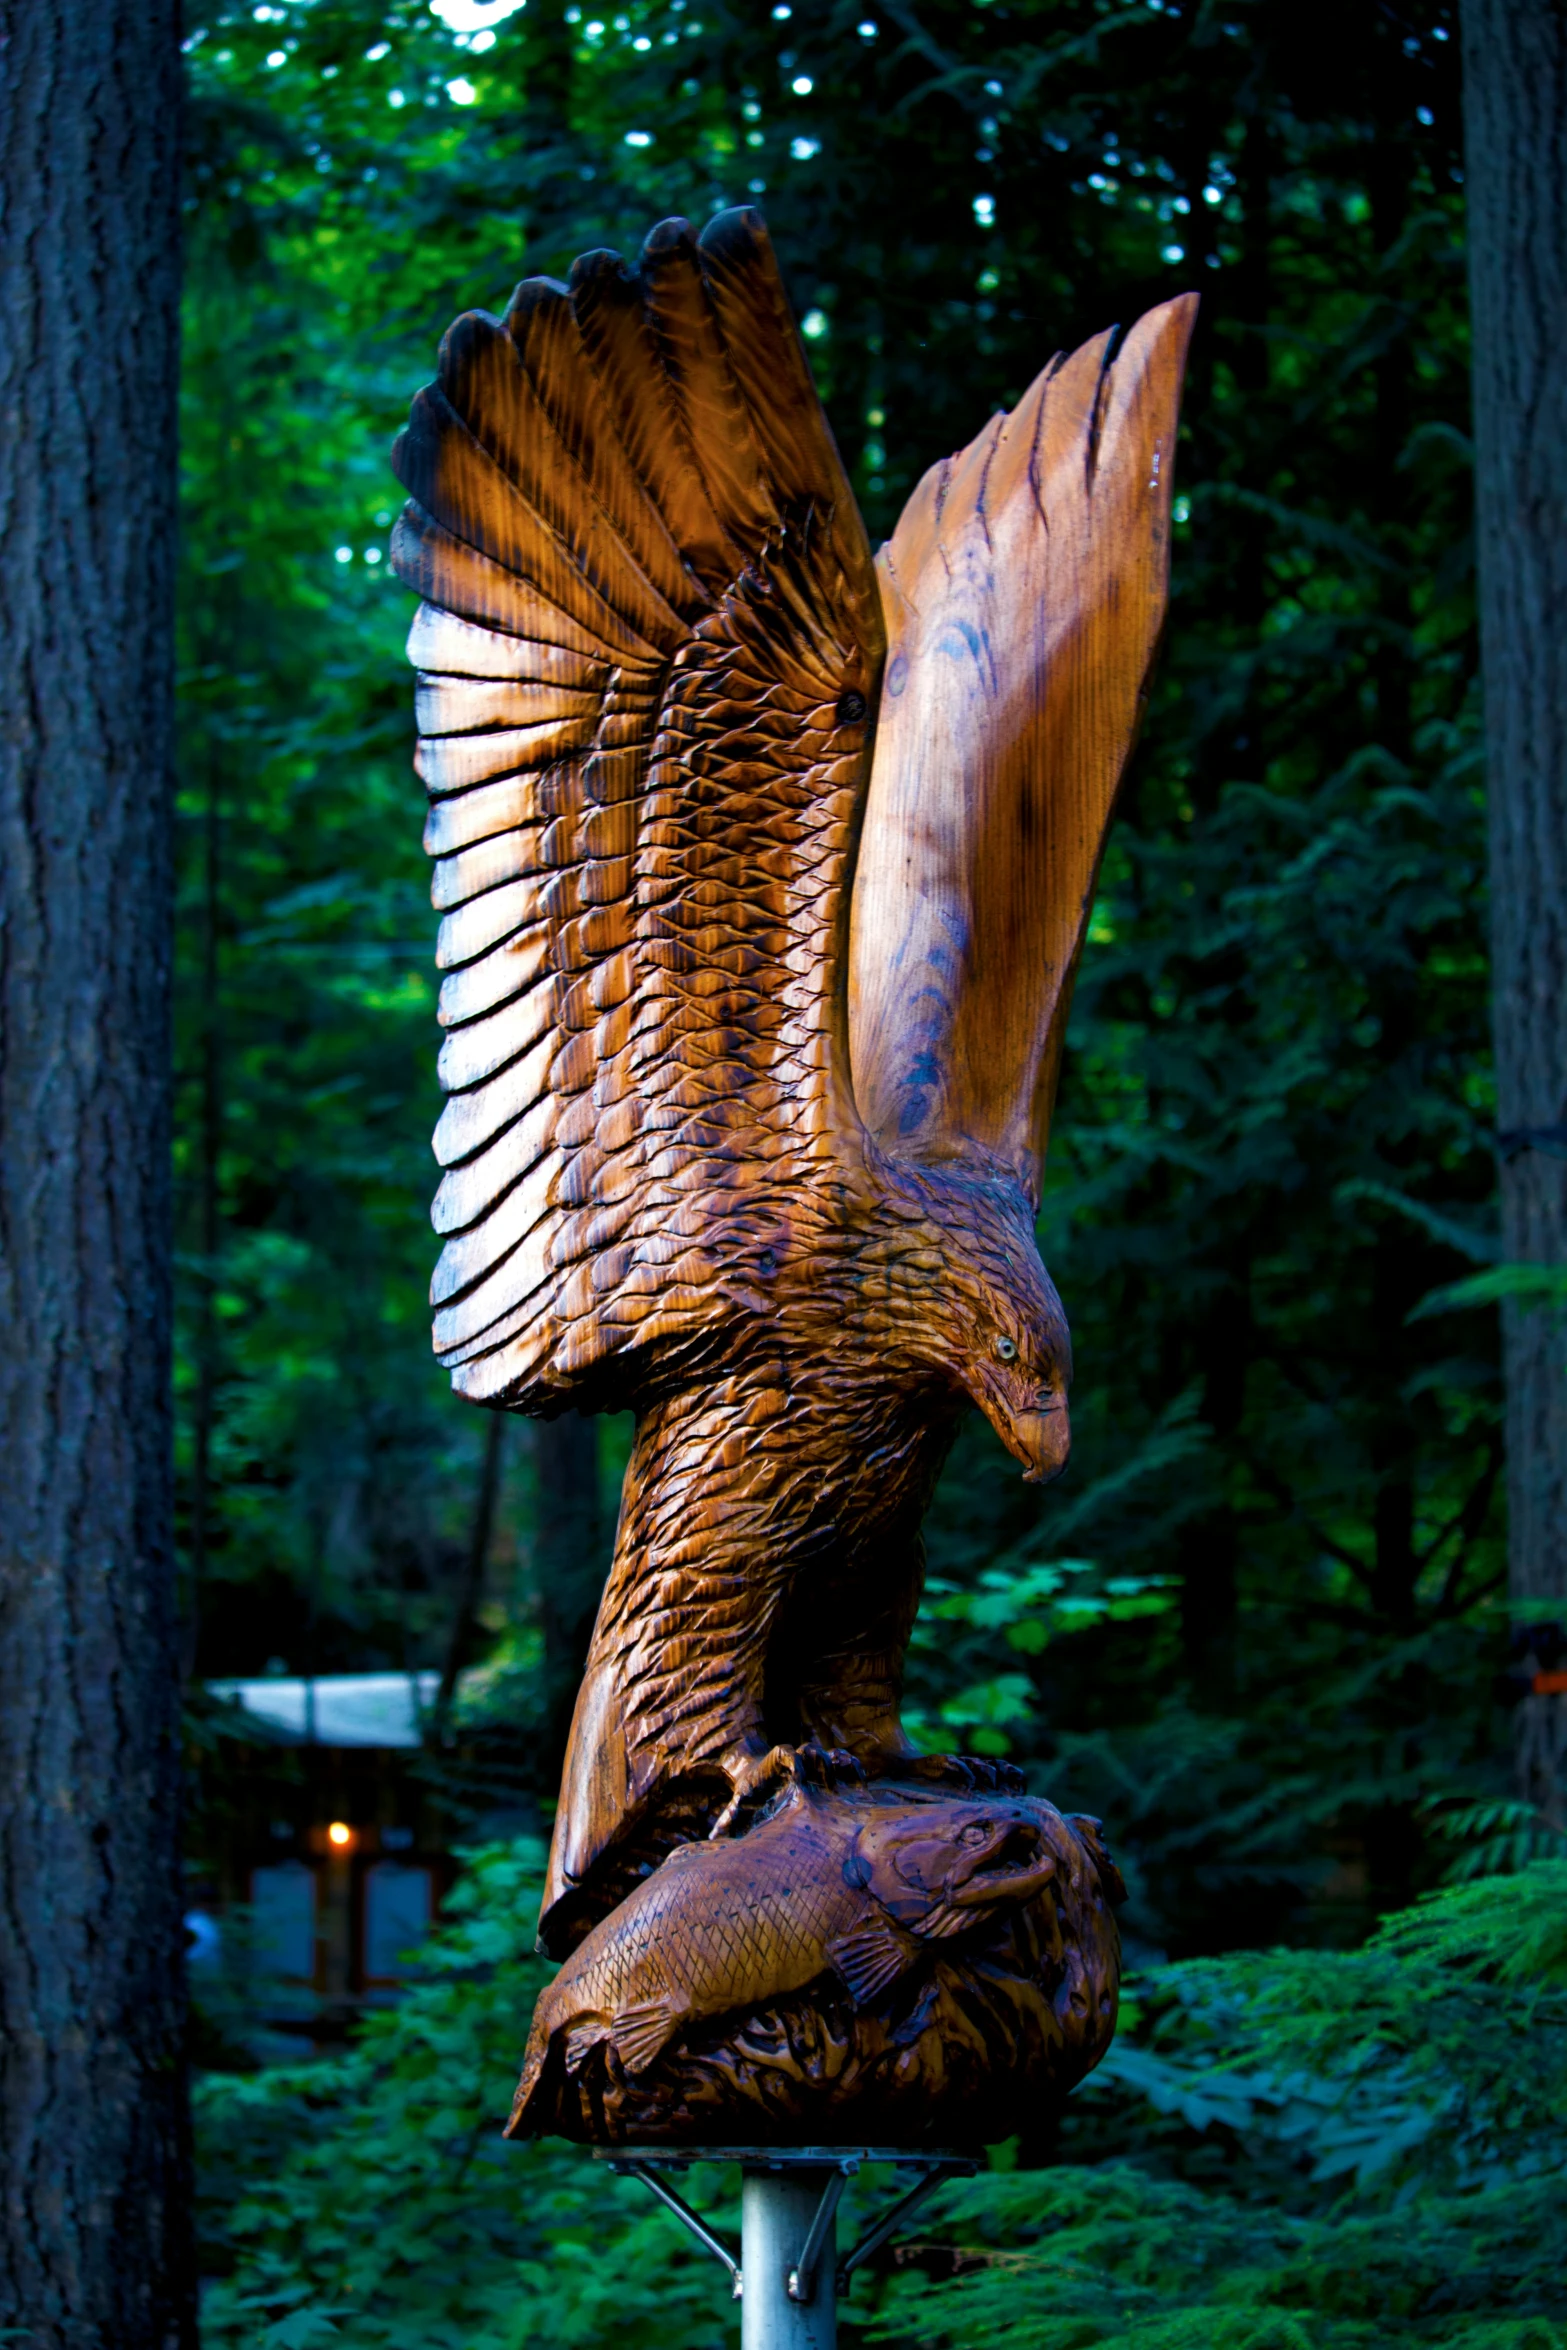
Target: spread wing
[1024,592]
[649,641]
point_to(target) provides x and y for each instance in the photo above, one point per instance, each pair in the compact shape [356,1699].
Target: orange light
[340,1833]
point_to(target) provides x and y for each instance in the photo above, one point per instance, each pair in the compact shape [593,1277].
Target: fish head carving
[934,1866]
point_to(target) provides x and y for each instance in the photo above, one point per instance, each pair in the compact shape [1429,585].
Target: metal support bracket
[842,2162]
[892,2220]
[802,2277]
[689,2218]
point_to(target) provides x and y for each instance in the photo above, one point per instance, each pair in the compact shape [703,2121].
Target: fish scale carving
[955,1956]
[764,867]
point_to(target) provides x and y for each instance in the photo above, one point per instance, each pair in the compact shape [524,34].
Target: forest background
[1262,1629]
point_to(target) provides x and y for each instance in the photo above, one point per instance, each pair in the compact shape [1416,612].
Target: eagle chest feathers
[764,868]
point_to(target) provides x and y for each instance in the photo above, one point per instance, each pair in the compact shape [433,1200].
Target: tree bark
[209,1226]
[94,2203]
[1515,112]
[470,1591]
[570,1562]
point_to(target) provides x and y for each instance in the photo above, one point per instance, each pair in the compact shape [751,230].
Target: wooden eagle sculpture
[765,867]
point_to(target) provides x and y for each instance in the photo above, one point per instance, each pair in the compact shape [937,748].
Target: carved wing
[1024,591]
[649,641]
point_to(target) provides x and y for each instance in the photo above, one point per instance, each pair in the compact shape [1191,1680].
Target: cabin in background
[324,1843]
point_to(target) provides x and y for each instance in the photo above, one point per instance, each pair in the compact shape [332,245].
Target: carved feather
[647,594]
[651,653]
[1025,591]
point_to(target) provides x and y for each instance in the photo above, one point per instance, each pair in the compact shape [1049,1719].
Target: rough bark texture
[571,1558]
[466,1629]
[93,2144]
[1515,69]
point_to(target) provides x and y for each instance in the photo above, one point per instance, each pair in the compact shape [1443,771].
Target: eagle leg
[976,1774]
[751,1770]
[828,1766]
[857,1708]
[851,1704]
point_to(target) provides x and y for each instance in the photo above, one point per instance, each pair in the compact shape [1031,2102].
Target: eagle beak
[1033,1424]
[1041,1440]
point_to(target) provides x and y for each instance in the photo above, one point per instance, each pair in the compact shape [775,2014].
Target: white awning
[337,1709]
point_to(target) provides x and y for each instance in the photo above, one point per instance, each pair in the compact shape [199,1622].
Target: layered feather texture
[1024,591]
[649,642]
[650,655]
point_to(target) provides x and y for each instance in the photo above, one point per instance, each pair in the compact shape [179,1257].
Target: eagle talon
[977,1774]
[749,1774]
[828,1766]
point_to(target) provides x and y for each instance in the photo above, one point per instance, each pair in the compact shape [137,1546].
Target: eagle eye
[851,708]
[1006,1350]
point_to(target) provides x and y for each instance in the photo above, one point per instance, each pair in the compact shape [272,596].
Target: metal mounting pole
[788,2259]
[788,2277]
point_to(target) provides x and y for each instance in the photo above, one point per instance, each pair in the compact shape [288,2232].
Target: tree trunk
[209,1228]
[570,1562]
[470,1590]
[1515,107]
[94,2202]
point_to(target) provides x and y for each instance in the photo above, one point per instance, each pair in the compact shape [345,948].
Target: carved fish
[852,1887]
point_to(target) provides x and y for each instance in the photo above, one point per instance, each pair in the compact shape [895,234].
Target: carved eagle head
[975,1308]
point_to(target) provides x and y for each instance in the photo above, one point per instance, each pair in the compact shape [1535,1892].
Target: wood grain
[1024,592]
[647,656]
[742,1132]
[890,1965]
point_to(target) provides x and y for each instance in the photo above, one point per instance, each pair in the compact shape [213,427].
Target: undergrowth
[1295,2150]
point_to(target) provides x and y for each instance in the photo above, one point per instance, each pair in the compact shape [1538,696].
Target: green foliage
[1065,2260]
[1332,2149]
[1272,1152]
[371,2194]
[1023,1605]
[1432,2060]
[1495,1837]
[1273,1135]
[1322,2149]
[1531,1284]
